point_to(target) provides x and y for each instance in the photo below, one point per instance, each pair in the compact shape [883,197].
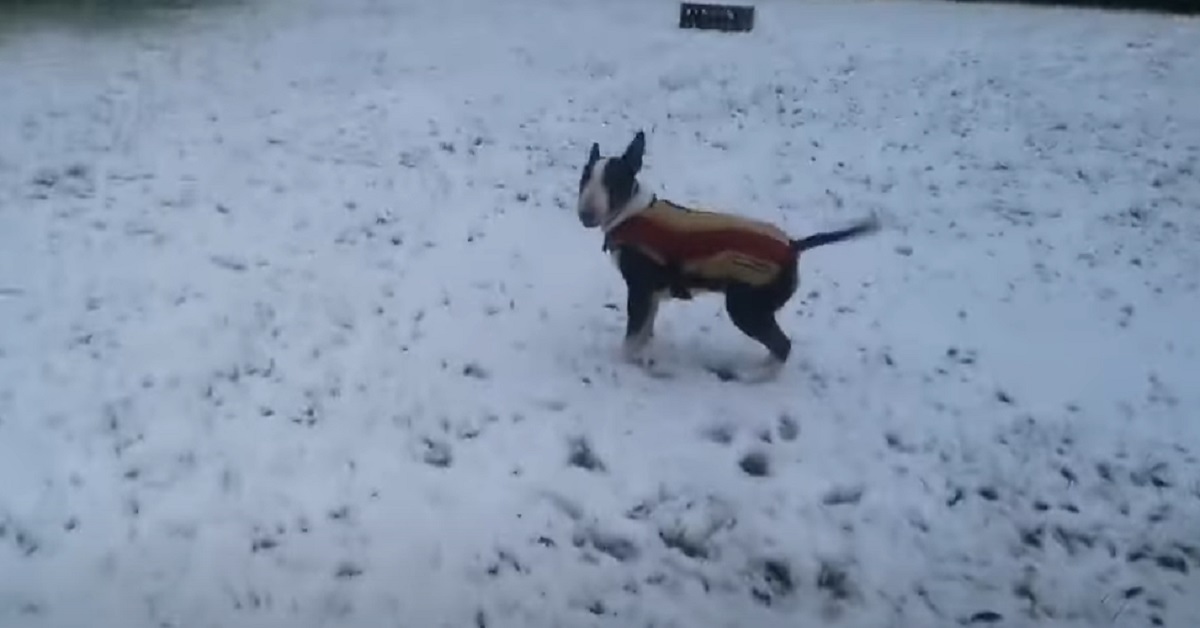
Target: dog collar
[620,218]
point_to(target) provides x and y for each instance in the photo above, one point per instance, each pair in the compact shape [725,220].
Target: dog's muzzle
[590,219]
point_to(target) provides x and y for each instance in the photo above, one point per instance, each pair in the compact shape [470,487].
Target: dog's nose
[588,218]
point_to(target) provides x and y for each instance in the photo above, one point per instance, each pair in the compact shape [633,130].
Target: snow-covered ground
[298,327]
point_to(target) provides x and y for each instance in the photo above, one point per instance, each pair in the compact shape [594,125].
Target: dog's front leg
[641,310]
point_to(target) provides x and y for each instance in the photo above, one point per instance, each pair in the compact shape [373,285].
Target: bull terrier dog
[667,251]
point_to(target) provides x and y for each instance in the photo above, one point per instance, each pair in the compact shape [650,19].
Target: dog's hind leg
[754,317]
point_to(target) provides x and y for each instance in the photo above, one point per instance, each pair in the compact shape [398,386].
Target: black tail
[863,227]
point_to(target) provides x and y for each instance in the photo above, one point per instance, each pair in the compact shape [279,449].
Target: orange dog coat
[709,245]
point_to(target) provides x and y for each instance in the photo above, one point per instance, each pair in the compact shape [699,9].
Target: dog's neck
[642,199]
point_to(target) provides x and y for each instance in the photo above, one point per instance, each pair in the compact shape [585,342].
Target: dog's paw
[652,367]
[767,371]
[633,353]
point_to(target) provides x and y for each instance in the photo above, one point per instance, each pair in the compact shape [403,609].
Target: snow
[298,326]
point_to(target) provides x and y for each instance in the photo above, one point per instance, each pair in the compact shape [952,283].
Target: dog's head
[609,184]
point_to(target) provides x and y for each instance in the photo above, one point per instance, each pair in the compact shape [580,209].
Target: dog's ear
[635,151]
[594,156]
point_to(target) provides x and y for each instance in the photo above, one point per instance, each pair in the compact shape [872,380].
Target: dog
[667,251]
